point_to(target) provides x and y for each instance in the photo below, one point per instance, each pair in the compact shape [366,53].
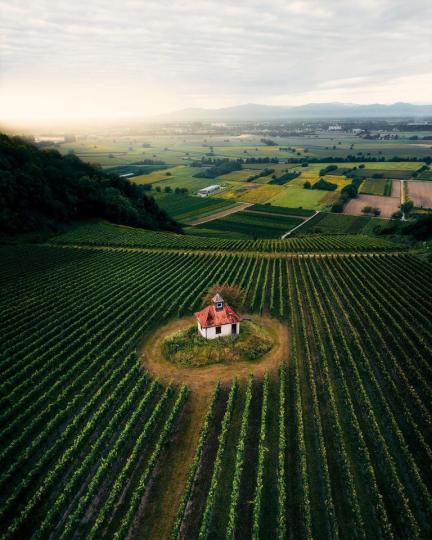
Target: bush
[233,295]
[324,185]
[307,185]
[337,207]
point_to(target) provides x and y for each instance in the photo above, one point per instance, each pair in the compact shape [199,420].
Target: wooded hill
[41,189]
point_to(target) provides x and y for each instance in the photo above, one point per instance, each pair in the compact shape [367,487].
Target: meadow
[333,443]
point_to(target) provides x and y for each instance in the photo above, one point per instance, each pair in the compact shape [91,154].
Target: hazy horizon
[134,60]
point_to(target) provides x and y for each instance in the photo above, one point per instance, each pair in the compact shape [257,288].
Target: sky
[100,59]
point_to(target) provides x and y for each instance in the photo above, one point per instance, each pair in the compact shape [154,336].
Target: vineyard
[254,224]
[335,444]
[104,234]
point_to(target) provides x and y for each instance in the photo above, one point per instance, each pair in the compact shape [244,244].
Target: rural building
[205,192]
[218,319]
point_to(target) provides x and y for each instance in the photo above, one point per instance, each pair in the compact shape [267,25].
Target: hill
[252,111]
[42,189]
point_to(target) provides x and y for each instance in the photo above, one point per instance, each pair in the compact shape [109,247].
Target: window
[219,305]
[218,329]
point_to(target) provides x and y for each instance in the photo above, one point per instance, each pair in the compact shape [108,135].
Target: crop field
[185,207]
[325,223]
[257,194]
[176,177]
[270,209]
[181,149]
[105,234]
[376,187]
[298,197]
[333,444]
[387,205]
[420,193]
[254,225]
[372,172]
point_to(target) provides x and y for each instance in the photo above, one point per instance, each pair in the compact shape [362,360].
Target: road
[298,226]
[220,214]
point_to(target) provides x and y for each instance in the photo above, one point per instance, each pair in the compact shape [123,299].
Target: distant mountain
[253,111]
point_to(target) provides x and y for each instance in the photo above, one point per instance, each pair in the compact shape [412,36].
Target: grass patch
[293,197]
[188,349]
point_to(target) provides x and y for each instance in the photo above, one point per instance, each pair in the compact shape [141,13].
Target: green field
[181,149]
[325,223]
[185,208]
[254,225]
[299,197]
[332,443]
[267,208]
[376,187]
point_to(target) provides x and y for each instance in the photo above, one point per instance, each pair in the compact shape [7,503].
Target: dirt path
[220,214]
[172,472]
[299,225]
[202,380]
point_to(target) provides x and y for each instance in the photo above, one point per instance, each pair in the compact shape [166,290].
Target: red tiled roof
[209,316]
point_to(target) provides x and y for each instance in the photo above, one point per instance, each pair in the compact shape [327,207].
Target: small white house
[218,319]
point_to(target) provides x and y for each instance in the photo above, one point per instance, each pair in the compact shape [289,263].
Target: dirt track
[220,214]
[202,380]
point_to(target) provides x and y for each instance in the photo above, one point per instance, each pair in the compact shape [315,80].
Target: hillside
[41,189]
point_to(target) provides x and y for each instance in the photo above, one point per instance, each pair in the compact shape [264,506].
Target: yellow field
[313,176]
[156,175]
[261,194]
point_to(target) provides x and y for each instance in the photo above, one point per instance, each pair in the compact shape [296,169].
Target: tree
[406,207]
[233,295]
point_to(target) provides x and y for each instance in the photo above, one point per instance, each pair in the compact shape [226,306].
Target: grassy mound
[187,348]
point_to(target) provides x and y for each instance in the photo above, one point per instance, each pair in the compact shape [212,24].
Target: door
[233,329]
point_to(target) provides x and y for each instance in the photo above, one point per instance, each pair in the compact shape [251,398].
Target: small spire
[217,299]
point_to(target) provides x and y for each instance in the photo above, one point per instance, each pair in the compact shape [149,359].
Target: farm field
[336,223]
[181,149]
[387,205]
[333,443]
[106,234]
[420,193]
[254,194]
[396,189]
[298,197]
[271,209]
[255,225]
[377,187]
[185,208]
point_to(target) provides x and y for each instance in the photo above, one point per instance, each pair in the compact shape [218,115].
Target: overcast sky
[99,58]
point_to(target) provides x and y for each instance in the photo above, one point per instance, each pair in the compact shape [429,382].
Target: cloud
[210,52]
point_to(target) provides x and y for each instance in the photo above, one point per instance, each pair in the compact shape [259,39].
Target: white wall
[210,333]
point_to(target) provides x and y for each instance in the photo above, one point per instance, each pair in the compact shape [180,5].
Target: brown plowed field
[387,205]
[420,193]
